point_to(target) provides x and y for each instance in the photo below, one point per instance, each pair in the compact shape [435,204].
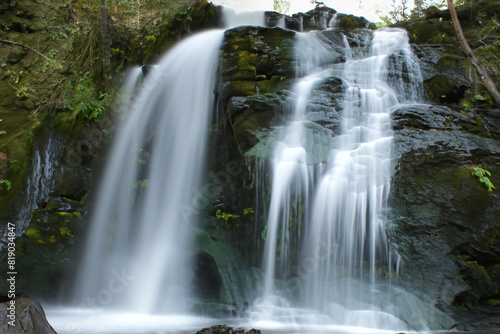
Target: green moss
[350,22]
[438,88]
[240,88]
[431,31]
[478,271]
[454,177]
[17,145]
[493,302]
[67,123]
[33,234]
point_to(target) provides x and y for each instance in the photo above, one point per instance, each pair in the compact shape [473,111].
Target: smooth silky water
[139,283]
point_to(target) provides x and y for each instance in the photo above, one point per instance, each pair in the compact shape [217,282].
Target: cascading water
[346,230]
[39,180]
[343,246]
[292,172]
[325,242]
[140,234]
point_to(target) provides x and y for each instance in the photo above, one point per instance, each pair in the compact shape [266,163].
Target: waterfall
[141,231]
[342,247]
[39,179]
[292,172]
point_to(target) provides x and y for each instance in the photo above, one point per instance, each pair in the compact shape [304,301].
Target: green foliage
[482,176]
[143,155]
[151,38]
[2,132]
[68,47]
[33,233]
[492,27]
[248,211]
[65,231]
[93,109]
[19,76]
[7,183]
[52,53]
[282,6]
[263,234]
[141,184]
[225,216]
[83,99]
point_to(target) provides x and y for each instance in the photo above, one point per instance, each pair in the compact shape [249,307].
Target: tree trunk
[105,42]
[490,85]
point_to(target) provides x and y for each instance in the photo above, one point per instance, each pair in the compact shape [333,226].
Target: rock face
[445,222]
[29,318]
[448,75]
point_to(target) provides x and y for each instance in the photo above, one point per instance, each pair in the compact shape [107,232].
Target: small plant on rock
[482,176]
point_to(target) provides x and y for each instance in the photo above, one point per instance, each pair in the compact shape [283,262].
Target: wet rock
[224,329]
[207,280]
[249,116]
[29,318]
[326,104]
[274,19]
[318,19]
[256,60]
[445,223]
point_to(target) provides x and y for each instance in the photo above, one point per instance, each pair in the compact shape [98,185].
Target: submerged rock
[224,329]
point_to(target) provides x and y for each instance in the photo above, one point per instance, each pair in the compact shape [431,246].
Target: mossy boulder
[44,253]
[348,23]
[256,60]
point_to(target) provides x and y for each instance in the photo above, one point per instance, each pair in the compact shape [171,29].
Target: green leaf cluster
[482,176]
[84,100]
[226,216]
[7,183]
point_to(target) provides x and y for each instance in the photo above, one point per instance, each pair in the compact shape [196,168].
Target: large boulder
[445,221]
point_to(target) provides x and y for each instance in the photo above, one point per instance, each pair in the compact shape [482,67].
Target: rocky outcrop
[445,222]
[27,317]
[448,75]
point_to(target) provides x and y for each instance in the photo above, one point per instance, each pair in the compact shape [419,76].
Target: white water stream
[343,248]
[141,230]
